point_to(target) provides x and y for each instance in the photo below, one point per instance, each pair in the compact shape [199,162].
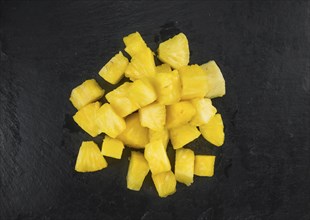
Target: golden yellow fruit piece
[142,92]
[183,135]
[112,147]
[165,183]
[163,68]
[204,165]
[204,111]
[160,135]
[213,131]
[153,116]
[179,114]
[184,166]
[134,43]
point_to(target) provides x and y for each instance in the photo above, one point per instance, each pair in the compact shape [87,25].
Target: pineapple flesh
[183,135]
[161,135]
[112,147]
[165,183]
[134,43]
[204,165]
[153,116]
[163,68]
[184,166]
[142,92]
[213,131]
[179,114]
[204,111]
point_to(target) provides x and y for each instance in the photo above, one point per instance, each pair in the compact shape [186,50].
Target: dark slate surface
[262,171]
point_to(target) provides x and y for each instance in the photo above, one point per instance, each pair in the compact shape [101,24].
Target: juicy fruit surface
[183,135]
[165,183]
[184,166]
[204,165]
[112,147]
[213,131]
[160,135]
[134,43]
[179,114]
[142,92]
[137,171]
[163,68]
[204,111]
[153,116]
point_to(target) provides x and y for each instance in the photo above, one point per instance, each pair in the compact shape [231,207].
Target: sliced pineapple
[86,93]
[175,51]
[204,111]
[114,70]
[89,158]
[179,114]
[213,131]
[161,135]
[184,166]
[165,183]
[204,165]
[153,116]
[183,135]
[112,147]
[163,68]
[142,92]
[137,171]
[134,43]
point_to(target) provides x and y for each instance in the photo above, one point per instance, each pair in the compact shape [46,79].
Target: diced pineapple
[163,68]
[86,93]
[194,82]
[153,116]
[114,70]
[161,135]
[168,87]
[134,43]
[213,131]
[120,101]
[112,147]
[216,80]
[141,65]
[204,165]
[142,92]
[175,51]
[204,111]
[184,166]
[137,171]
[179,114]
[165,183]
[89,158]
[183,135]
[86,118]
[156,156]
[134,135]
[109,122]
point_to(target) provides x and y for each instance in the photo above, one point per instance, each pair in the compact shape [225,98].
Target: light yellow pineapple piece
[89,158]
[142,92]
[184,166]
[156,155]
[163,68]
[168,87]
[114,70]
[134,43]
[153,116]
[137,171]
[179,114]
[165,183]
[161,135]
[204,165]
[86,93]
[194,82]
[213,131]
[86,119]
[216,80]
[109,122]
[175,51]
[183,135]
[112,147]
[134,135]
[204,111]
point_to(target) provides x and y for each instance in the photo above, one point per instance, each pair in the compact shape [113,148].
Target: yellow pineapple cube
[204,165]
[109,122]
[134,135]
[168,87]
[153,116]
[179,114]
[216,80]
[165,183]
[142,92]
[86,119]
[112,147]
[134,43]
[114,70]
[204,111]
[184,166]
[213,131]
[194,82]
[137,171]
[183,135]
[156,155]
[175,51]
[86,93]
[163,68]
[160,135]
[120,101]
[89,158]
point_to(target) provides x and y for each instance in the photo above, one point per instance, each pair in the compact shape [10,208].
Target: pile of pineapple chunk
[171,101]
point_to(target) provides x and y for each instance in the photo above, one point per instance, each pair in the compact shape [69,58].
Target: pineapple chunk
[153,116]
[175,51]
[156,156]
[161,135]
[114,70]
[204,111]
[184,166]
[194,82]
[134,135]
[89,158]
[163,68]
[183,135]
[141,65]
[213,131]
[86,93]
[179,114]
[112,147]
[86,118]
[134,43]
[216,80]
[142,92]
[168,87]
[165,183]
[204,165]
[120,101]
[109,122]
[137,171]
